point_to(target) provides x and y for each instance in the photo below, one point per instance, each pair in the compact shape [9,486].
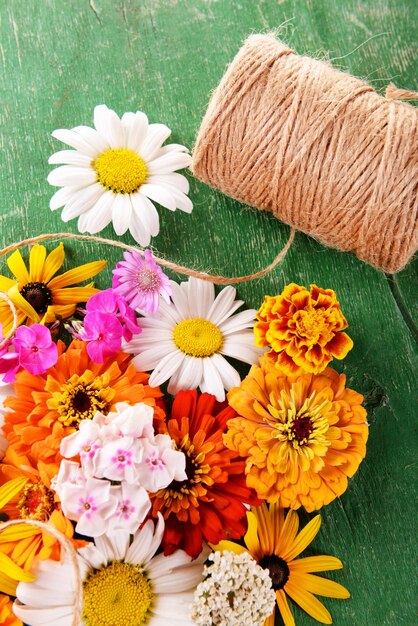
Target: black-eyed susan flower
[274,542]
[37,293]
[115,173]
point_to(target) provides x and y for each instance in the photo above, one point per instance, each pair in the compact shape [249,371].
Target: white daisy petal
[137,229]
[147,359]
[201,294]
[191,373]
[171,147]
[169,162]
[99,216]
[182,201]
[121,213]
[239,321]
[108,124]
[223,306]
[159,194]
[93,138]
[166,367]
[81,202]
[175,180]
[70,157]
[114,548]
[146,213]
[212,382]
[229,375]
[181,301]
[136,127]
[56,616]
[70,175]
[74,140]
[155,137]
[241,348]
[61,197]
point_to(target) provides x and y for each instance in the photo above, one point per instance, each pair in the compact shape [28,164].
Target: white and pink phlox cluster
[122,460]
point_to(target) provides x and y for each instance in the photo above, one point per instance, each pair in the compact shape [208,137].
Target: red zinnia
[208,506]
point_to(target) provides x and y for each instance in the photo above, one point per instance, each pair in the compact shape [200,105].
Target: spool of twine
[317,147]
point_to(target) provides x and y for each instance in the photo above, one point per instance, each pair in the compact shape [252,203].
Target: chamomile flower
[124,584]
[116,172]
[186,342]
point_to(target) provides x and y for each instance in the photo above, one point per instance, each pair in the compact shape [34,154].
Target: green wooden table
[59,59]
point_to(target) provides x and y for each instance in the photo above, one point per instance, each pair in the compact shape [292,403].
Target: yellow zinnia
[274,542]
[38,295]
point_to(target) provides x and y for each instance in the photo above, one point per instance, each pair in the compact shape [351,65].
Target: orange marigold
[7,617]
[48,407]
[302,436]
[303,329]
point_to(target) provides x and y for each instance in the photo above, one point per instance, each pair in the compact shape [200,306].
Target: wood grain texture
[59,59]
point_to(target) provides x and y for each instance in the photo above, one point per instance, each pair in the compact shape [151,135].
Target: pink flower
[109,302]
[133,506]
[35,349]
[141,281]
[89,504]
[103,332]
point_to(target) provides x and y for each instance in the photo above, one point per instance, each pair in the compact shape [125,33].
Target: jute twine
[71,554]
[317,147]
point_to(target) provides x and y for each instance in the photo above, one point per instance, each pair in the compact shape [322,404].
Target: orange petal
[17,267]
[77,274]
[53,262]
[284,608]
[308,602]
[37,257]
[304,538]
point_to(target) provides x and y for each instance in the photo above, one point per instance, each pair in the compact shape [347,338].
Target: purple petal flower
[104,333]
[35,349]
[141,281]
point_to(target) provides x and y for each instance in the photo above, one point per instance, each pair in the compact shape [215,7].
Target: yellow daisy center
[303,427]
[198,337]
[120,170]
[312,325]
[81,397]
[117,595]
[36,502]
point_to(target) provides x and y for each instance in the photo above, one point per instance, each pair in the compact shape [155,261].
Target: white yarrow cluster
[236,591]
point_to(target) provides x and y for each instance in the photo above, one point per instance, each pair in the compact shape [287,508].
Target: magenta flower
[141,281]
[103,332]
[35,348]
[111,303]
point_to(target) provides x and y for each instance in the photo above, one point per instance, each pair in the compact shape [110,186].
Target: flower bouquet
[143,478]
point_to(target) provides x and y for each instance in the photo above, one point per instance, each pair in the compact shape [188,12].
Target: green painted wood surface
[59,59]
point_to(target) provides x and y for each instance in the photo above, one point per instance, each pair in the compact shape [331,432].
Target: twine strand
[71,553]
[318,148]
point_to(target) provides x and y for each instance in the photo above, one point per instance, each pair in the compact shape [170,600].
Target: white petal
[121,213]
[93,138]
[240,321]
[166,367]
[190,375]
[82,201]
[146,213]
[160,195]
[136,127]
[182,580]
[72,176]
[108,124]
[242,349]
[229,375]
[61,197]
[147,359]
[75,140]
[212,382]
[201,294]
[223,306]
[169,163]
[155,137]
[183,202]
[178,181]
[113,547]
[70,157]
[99,216]
[181,301]
[146,542]
[58,616]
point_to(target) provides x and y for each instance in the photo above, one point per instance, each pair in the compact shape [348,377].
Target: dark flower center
[278,570]
[81,401]
[38,295]
[301,429]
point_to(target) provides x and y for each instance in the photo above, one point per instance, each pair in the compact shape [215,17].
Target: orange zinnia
[48,407]
[209,504]
[24,495]
[7,617]
[302,436]
[303,329]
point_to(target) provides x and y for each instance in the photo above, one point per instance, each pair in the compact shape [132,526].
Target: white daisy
[186,340]
[115,173]
[124,584]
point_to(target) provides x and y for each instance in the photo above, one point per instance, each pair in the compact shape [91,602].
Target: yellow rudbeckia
[274,542]
[38,295]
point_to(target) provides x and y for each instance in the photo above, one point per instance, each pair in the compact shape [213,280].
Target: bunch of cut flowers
[143,480]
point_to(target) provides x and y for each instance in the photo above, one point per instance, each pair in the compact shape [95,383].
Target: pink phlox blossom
[131,421]
[69,472]
[89,504]
[141,281]
[109,302]
[118,460]
[133,506]
[36,350]
[103,334]
[161,464]
[86,442]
